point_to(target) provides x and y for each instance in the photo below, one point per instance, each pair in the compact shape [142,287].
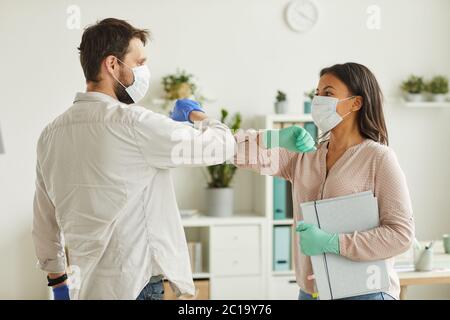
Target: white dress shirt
[104,191]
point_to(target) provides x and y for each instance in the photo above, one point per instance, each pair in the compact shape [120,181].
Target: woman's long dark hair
[362,82]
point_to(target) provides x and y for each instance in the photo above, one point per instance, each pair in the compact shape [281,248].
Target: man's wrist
[56,280]
[197,116]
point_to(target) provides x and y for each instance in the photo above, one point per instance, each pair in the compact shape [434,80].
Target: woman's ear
[357,103]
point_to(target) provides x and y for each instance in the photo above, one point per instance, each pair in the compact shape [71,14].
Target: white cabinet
[236,260]
[283,288]
[236,250]
[236,237]
[240,288]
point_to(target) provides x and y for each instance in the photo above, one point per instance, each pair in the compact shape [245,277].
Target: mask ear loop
[118,79]
[350,110]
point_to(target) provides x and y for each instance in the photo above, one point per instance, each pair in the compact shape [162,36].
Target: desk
[439,275]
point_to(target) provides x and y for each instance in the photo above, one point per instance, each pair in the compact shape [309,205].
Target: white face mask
[138,89]
[324,112]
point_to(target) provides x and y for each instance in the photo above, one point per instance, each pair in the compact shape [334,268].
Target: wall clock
[301,15]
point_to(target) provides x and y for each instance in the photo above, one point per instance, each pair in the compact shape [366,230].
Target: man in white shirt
[104,198]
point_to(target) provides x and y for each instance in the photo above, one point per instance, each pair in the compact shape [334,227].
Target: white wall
[243,52]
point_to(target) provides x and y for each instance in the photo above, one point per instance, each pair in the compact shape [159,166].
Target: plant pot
[219,202]
[307,107]
[438,97]
[423,259]
[281,107]
[414,97]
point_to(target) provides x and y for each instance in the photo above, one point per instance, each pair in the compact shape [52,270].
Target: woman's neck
[344,137]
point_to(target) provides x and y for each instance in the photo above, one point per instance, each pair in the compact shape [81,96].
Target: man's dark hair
[107,37]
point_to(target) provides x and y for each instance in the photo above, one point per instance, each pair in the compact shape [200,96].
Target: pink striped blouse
[366,166]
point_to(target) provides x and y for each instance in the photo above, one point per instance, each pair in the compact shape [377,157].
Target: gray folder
[338,277]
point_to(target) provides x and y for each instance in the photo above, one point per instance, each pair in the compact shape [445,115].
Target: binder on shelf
[338,277]
[282,248]
[289,201]
[279,198]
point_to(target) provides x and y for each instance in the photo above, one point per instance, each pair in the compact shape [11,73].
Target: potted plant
[438,87]
[309,95]
[180,85]
[219,194]
[414,87]
[281,103]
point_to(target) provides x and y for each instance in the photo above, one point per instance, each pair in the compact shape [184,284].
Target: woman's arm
[396,231]
[252,154]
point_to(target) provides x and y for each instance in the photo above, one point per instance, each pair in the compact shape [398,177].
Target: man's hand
[61,290]
[183,109]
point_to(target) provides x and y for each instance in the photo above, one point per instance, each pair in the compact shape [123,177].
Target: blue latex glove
[314,241]
[183,108]
[61,293]
[294,138]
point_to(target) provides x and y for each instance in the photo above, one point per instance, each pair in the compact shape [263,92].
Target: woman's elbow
[405,239]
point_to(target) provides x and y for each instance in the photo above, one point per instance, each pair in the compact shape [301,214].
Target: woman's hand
[294,138]
[314,241]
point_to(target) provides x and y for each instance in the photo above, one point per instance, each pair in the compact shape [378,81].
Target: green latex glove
[314,241]
[294,138]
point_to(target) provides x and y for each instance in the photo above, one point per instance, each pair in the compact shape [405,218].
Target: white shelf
[238,219]
[283,273]
[425,104]
[283,222]
[201,275]
[289,118]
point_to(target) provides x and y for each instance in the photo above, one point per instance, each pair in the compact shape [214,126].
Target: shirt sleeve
[396,231]
[47,237]
[167,144]
[251,154]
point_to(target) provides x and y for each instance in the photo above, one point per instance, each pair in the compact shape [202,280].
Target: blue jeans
[152,291]
[371,296]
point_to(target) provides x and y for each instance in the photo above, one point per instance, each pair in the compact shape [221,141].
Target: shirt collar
[93,96]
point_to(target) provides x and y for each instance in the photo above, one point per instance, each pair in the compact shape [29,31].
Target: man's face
[135,56]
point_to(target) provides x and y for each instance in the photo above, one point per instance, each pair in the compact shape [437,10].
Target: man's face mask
[324,112]
[137,90]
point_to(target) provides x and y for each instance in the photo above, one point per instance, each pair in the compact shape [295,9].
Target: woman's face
[331,86]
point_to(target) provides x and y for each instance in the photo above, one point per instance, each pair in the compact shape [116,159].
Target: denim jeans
[152,291]
[371,296]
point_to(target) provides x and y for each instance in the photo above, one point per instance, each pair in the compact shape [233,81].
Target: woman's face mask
[138,89]
[324,112]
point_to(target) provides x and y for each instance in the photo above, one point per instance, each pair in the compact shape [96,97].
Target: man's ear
[110,63]
[357,103]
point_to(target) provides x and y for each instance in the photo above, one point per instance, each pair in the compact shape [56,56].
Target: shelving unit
[233,255]
[238,251]
[280,284]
